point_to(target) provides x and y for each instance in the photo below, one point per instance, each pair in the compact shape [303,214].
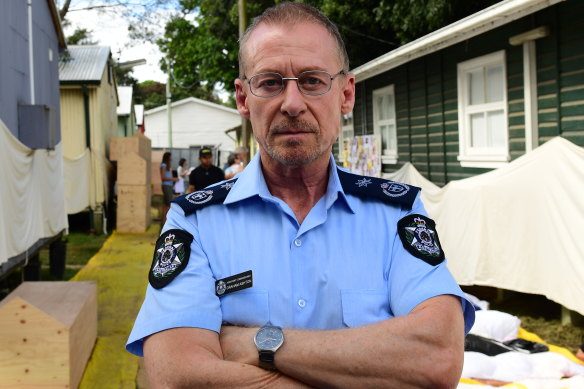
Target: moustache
[293,126]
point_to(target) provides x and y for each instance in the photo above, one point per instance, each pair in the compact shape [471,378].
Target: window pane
[478,130]
[388,138]
[476,87]
[496,126]
[383,107]
[494,84]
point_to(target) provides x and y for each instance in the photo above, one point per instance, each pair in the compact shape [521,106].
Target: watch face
[269,338]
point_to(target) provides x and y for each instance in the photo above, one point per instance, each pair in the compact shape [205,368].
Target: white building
[195,122]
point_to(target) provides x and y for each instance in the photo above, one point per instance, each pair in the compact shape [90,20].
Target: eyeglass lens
[311,83]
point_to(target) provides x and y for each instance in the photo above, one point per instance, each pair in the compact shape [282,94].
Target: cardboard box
[137,144]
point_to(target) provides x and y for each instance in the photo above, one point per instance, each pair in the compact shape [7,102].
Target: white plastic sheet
[31,195]
[518,227]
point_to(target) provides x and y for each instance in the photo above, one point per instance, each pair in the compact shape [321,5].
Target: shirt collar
[251,182]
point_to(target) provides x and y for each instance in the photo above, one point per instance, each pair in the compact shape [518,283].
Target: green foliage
[81,36]
[150,93]
[411,19]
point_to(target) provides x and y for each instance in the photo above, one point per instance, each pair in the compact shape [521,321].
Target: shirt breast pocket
[246,308]
[362,307]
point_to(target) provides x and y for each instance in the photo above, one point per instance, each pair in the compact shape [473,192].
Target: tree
[201,40]
[81,36]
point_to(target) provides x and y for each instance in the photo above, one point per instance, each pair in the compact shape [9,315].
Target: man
[298,244]
[206,173]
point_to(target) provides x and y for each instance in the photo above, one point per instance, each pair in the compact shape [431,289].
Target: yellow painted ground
[121,271]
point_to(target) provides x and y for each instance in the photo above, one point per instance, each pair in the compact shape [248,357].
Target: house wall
[426,93]
[14,61]
[73,122]
[192,124]
[103,125]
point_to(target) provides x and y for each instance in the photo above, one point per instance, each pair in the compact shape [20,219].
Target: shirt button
[301,303]
[297,242]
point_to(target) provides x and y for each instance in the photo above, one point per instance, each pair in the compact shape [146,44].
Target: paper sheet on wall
[361,155]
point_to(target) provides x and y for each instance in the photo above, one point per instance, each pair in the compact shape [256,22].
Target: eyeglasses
[311,82]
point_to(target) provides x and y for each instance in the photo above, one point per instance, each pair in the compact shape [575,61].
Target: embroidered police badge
[171,255]
[419,237]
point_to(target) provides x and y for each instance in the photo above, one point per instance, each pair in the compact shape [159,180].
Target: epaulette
[200,199]
[385,190]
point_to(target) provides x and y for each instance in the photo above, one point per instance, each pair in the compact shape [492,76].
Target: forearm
[421,350]
[191,358]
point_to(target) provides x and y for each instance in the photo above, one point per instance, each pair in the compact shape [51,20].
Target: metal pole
[168,105]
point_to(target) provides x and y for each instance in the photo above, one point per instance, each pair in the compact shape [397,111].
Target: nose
[293,103]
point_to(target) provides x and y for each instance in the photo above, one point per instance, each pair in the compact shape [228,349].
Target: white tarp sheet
[77,175]
[31,194]
[518,227]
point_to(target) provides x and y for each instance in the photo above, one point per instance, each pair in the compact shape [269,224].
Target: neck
[298,186]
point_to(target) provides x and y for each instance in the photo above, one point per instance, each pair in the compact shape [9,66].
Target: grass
[80,248]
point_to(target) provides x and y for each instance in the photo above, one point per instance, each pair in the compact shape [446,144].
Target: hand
[238,346]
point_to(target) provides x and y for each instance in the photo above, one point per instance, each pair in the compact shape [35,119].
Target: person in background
[235,167]
[167,184]
[206,173]
[243,153]
[183,173]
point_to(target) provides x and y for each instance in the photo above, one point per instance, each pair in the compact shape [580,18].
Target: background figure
[229,162]
[206,173]
[243,153]
[183,174]
[235,167]
[167,184]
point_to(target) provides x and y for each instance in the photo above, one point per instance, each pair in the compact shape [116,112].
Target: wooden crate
[156,181]
[134,170]
[137,144]
[47,333]
[134,208]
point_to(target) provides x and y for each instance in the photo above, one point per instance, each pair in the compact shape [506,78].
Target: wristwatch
[268,340]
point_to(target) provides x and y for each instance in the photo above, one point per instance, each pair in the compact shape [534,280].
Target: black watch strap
[267,360]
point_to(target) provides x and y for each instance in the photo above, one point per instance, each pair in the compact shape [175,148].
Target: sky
[111,30]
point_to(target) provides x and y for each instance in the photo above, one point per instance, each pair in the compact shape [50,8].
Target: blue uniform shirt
[344,266]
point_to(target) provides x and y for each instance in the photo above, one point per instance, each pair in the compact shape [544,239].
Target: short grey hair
[292,13]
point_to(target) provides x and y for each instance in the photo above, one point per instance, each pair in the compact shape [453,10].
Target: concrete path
[121,271]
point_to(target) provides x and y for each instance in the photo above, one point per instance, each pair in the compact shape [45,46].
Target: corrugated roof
[125,97]
[84,63]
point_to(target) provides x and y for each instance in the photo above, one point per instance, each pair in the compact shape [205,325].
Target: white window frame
[347,132]
[486,157]
[388,157]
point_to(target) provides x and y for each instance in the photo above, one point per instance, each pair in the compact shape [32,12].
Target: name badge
[234,283]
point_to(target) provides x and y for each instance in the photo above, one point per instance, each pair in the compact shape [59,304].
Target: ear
[241,98]
[348,94]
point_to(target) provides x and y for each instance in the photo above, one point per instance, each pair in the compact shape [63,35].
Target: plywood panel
[137,144]
[47,332]
[133,213]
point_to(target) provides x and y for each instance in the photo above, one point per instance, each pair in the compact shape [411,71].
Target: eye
[267,81]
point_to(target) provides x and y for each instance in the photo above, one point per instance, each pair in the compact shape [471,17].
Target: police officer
[297,273]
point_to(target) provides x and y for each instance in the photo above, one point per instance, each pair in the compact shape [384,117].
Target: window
[384,124]
[482,112]
[347,132]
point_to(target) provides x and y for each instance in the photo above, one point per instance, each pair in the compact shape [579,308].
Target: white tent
[518,227]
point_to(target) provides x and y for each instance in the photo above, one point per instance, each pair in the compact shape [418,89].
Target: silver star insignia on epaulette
[228,185]
[363,182]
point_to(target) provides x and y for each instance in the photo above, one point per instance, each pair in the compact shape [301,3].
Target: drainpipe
[86,110]
[30,53]
[85,90]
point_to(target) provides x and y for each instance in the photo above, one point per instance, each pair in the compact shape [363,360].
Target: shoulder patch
[385,190]
[419,237]
[200,199]
[171,255]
